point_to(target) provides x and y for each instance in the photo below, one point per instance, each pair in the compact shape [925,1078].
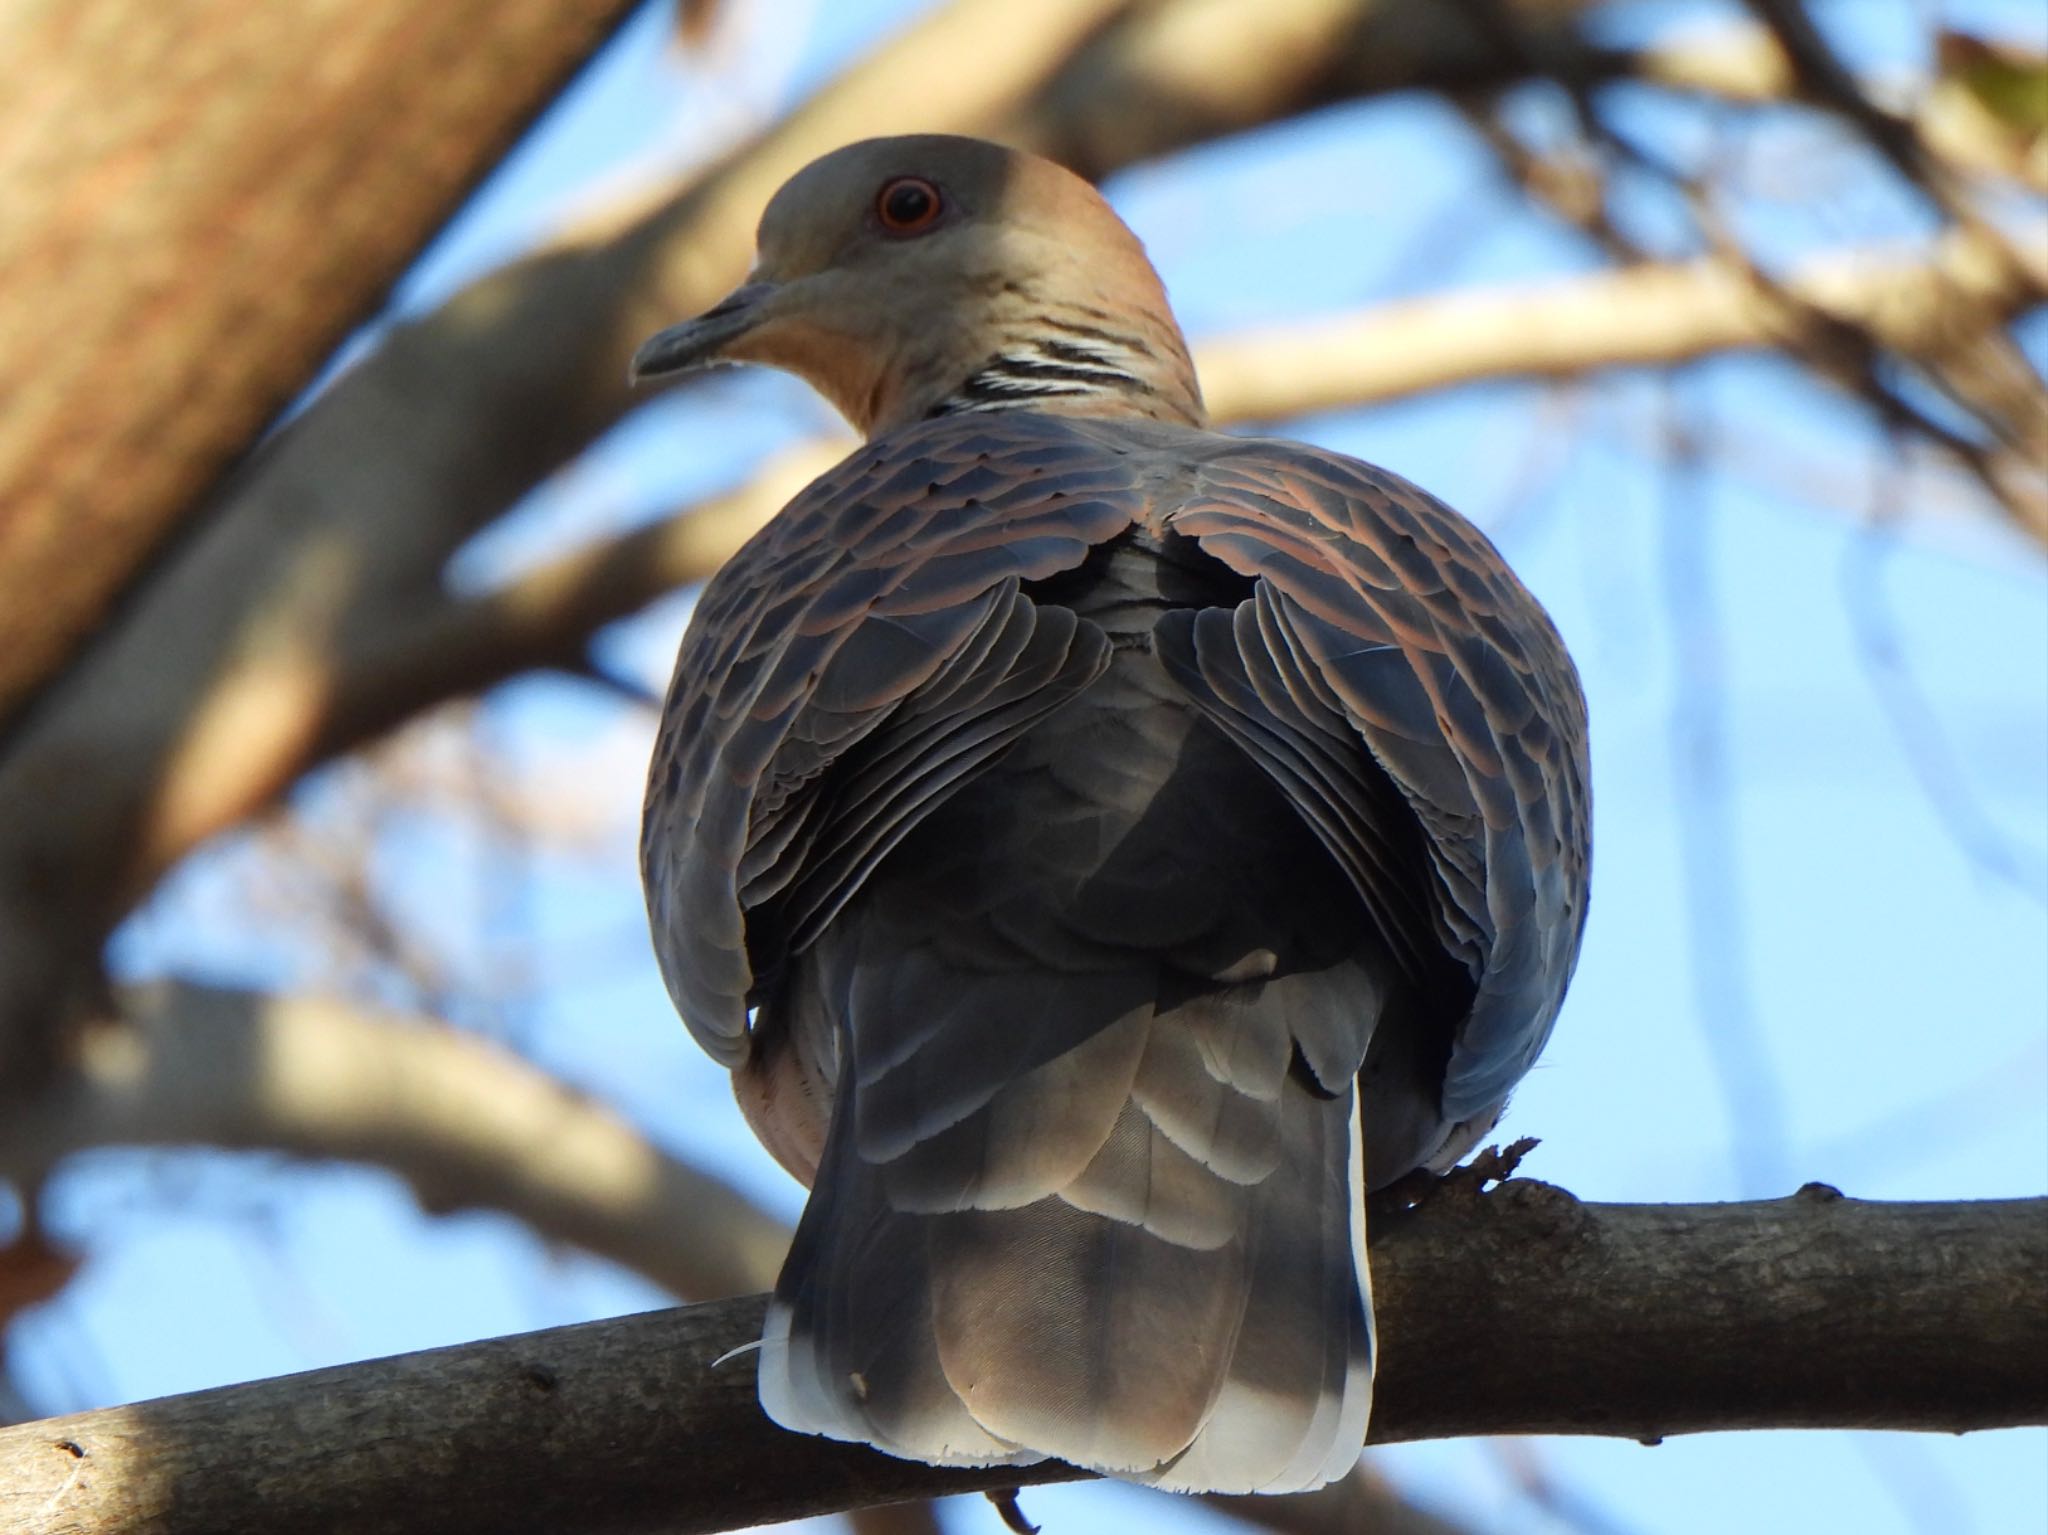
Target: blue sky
[1849,984]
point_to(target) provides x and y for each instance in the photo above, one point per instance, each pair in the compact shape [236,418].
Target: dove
[1102,849]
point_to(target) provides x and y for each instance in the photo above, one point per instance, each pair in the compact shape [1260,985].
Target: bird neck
[1066,359]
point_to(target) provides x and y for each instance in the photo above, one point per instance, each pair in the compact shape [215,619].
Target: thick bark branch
[1364,1503]
[466,1124]
[201,198]
[1520,1311]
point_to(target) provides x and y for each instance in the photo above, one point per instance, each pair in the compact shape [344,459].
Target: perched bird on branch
[1101,848]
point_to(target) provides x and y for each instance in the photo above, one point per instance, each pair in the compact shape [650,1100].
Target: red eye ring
[907,205]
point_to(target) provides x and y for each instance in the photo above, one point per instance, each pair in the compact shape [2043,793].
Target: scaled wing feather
[877,613]
[1383,616]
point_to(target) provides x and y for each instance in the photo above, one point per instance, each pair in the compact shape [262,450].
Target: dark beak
[698,343]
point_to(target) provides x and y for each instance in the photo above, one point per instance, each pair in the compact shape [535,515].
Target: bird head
[927,275]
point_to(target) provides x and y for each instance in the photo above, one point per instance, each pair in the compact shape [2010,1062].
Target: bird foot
[1005,1500]
[1495,1164]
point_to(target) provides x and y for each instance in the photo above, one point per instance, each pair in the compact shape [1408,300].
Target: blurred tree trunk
[200,199]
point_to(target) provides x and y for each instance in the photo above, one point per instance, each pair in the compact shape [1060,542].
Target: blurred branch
[1826,80]
[201,199]
[1643,316]
[1998,385]
[1519,1311]
[1745,64]
[1972,358]
[32,1270]
[1177,73]
[544,618]
[465,1124]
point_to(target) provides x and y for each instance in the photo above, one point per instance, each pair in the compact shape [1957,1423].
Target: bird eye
[907,205]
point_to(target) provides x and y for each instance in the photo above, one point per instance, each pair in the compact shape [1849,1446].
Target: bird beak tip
[675,350]
[699,343]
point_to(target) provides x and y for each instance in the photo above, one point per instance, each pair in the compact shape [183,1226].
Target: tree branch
[1642,316]
[1520,1311]
[1166,76]
[1364,1503]
[466,1124]
[1971,358]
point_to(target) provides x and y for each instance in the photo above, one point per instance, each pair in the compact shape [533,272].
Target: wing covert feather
[1379,614]
[859,658]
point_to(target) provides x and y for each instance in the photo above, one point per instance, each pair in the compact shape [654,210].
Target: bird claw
[1496,1164]
[1005,1500]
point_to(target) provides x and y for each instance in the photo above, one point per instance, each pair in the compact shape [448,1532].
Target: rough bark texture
[1519,1311]
[200,199]
[1364,1503]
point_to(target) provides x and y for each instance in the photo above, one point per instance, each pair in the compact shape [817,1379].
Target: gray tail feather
[1077,1327]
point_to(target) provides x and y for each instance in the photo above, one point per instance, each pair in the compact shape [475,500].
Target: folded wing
[1380,616]
[851,666]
